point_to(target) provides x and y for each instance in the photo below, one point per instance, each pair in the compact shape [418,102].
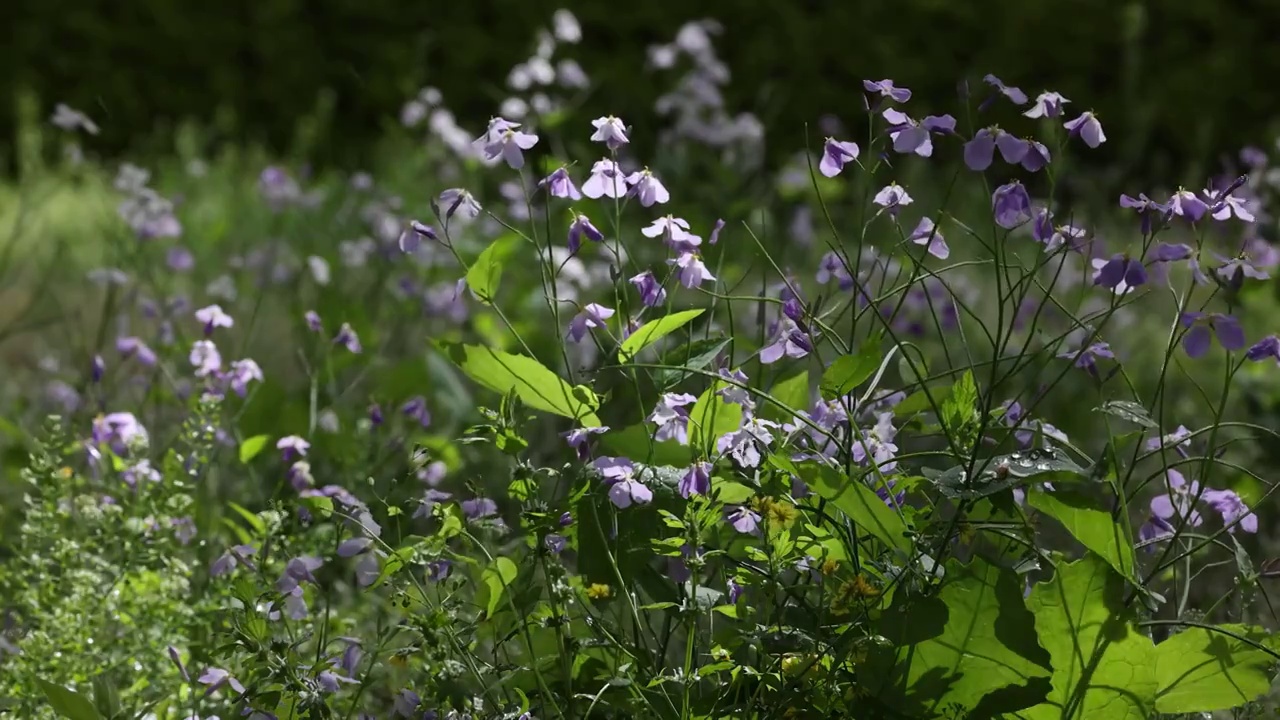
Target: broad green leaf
[859,502]
[1091,525]
[730,492]
[712,417]
[1103,667]
[653,331]
[1007,471]
[1127,410]
[636,442]
[792,392]
[250,448]
[106,697]
[254,521]
[495,579]
[532,382]
[952,650]
[485,274]
[849,371]
[68,703]
[1201,670]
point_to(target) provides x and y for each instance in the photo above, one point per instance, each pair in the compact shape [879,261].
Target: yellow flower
[599,591]
[830,566]
[779,513]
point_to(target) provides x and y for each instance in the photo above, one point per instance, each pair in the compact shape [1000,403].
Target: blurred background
[1176,84]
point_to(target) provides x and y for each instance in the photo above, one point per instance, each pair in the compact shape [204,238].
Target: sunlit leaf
[1092,525]
[532,382]
[859,502]
[250,448]
[792,392]
[1127,410]
[1007,471]
[1103,667]
[653,331]
[973,639]
[68,703]
[849,371]
[1202,670]
[485,273]
[495,579]
[712,417]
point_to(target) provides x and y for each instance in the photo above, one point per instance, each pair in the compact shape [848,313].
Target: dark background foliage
[1176,83]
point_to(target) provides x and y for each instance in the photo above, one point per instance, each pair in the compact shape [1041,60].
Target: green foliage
[251,447]
[1202,669]
[1094,526]
[485,273]
[975,639]
[859,502]
[847,372]
[531,381]
[653,331]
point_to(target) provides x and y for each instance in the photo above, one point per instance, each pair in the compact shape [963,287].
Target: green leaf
[1103,667]
[1127,410]
[68,703]
[792,392]
[106,698]
[852,497]
[712,417]
[695,355]
[254,521]
[850,371]
[250,448]
[653,331]
[1091,525]
[495,579]
[730,492]
[952,650]
[1007,471]
[532,382]
[485,274]
[1201,670]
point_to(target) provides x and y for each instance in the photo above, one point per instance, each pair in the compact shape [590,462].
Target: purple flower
[646,186]
[1235,513]
[1087,128]
[555,543]
[674,232]
[1048,104]
[406,705]
[228,561]
[629,491]
[205,358]
[242,373]
[892,197]
[132,347]
[457,199]
[715,231]
[606,180]
[1147,208]
[1178,502]
[1185,203]
[508,144]
[909,136]
[479,508]
[886,89]
[693,272]
[671,415]
[926,233]
[1267,347]
[1204,327]
[834,156]
[790,341]
[215,678]
[352,547]
[1011,205]
[120,430]
[292,447]
[559,184]
[1179,440]
[580,227]
[1014,94]
[411,238]
[610,131]
[415,408]
[312,319]
[1226,206]
[213,317]
[743,519]
[1037,156]
[696,481]
[347,338]
[180,259]
[1087,358]
[592,316]
[652,294]
[579,438]
[979,152]
[1234,270]
[735,591]
[1120,274]
[97,368]
[833,267]
[744,444]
